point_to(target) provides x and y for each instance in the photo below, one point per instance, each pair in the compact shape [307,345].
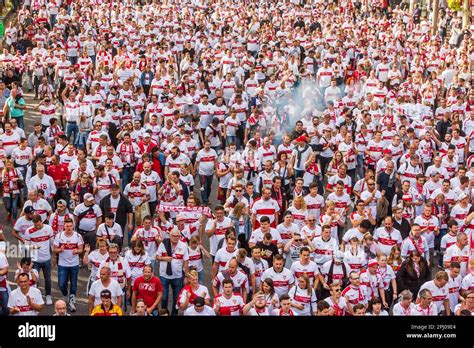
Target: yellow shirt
[99,311]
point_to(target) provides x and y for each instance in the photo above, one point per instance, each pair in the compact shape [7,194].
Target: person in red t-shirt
[61,176]
[148,288]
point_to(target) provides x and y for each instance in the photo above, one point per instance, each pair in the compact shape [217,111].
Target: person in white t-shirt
[68,245]
[425,305]
[438,288]
[199,308]
[105,282]
[405,305]
[25,300]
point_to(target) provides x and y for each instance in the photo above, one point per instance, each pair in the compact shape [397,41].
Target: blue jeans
[65,275]
[11,205]
[46,267]
[201,277]
[206,182]
[176,286]
[52,20]
[127,175]
[81,140]
[360,167]
[72,128]
[3,303]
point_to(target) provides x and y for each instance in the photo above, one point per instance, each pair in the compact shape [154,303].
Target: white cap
[89,197]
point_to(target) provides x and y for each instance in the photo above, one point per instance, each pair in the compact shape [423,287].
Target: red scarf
[8,183]
[129,151]
[417,244]
[55,225]
[290,313]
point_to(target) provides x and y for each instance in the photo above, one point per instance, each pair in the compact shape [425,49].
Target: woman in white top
[137,258]
[303,297]
[269,291]
[95,258]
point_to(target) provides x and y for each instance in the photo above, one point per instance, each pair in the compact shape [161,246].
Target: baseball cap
[88,197]
[147,135]
[29,210]
[462,196]
[180,217]
[301,138]
[106,293]
[62,201]
[199,301]
[338,256]
[372,263]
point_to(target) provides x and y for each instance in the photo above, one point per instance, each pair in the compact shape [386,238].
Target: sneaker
[49,300]
[72,303]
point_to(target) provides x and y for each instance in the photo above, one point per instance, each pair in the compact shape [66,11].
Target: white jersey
[314,205]
[324,249]
[439,294]
[136,264]
[40,240]
[223,256]
[207,311]
[232,306]
[311,270]
[46,183]
[119,270]
[431,224]
[201,291]
[399,310]
[467,283]
[282,281]
[456,254]
[148,237]
[356,262]
[67,258]
[387,239]
[430,311]
[109,232]
[17,299]
[97,287]
[454,286]
[219,233]
[301,297]
[41,207]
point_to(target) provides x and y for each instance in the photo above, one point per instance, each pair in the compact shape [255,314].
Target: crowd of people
[221,157]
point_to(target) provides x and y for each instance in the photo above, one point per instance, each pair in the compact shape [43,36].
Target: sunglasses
[298,240]
[337,290]
[311,220]
[238,190]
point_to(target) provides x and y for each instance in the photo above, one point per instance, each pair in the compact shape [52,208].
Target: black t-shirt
[268,251]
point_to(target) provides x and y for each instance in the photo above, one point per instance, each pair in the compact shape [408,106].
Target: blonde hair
[238,209]
[330,204]
[192,274]
[303,202]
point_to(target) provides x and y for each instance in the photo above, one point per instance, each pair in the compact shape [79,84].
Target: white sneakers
[49,300]
[72,303]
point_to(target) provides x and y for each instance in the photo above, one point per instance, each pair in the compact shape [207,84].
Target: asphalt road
[32,116]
